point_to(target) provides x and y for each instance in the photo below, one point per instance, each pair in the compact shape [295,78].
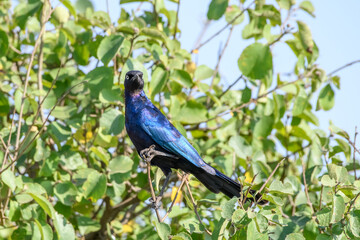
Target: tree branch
[195,207]
[342,67]
[222,29]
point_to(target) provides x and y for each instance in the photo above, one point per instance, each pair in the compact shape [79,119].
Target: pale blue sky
[335,30]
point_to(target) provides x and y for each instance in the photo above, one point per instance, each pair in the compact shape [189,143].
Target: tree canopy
[69,170]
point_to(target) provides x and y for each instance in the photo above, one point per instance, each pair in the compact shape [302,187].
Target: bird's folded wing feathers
[167,136]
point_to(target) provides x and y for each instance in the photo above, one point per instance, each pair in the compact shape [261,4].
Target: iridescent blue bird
[152,133]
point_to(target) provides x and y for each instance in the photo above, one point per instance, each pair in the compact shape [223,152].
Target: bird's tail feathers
[222,183]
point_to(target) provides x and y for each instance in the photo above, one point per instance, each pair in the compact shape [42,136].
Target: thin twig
[177,18]
[287,31]
[270,176]
[342,67]
[230,86]
[9,140]
[129,54]
[26,84]
[255,100]
[42,126]
[306,187]
[222,29]
[218,62]
[321,193]
[6,150]
[152,190]
[41,103]
[353,202]
[184,178]
[41,56]
[354,162]
[248,190]
[195,207]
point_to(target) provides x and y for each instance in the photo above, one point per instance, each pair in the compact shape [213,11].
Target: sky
[333,29]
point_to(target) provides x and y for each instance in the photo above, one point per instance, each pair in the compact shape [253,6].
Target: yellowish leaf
[173,193]
[248,177]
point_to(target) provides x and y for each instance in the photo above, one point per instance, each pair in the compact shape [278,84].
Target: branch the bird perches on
[147,155]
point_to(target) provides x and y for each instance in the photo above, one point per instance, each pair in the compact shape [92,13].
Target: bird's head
[134,81]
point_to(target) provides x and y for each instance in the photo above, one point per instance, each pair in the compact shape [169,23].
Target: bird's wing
[158,127]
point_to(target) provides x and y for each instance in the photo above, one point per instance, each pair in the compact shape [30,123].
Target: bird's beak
[139,76]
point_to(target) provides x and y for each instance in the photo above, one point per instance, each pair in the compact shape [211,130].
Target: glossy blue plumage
[147,126]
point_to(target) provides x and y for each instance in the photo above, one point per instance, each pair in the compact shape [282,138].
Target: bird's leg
[157,203]
[149,153]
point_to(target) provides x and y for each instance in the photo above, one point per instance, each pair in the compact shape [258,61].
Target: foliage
[68,169]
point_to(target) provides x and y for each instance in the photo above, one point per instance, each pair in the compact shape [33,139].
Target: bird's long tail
[222,183]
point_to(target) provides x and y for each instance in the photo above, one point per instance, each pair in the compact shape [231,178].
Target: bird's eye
[126,77]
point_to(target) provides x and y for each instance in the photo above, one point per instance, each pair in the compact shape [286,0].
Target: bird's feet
[157,203]
[148,154]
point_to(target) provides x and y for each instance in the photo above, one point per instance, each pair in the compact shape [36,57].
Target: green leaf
[4,44]
[98,79]
[87,225]
[63,112]
[95,186]
[300,103]
[61,132]
[82,5]
[263,127]
[255,61]
[216,9]
[203,72]
[108,48]
[295,236]
[338,131]
[339,173]
[44,203]
[233,12]
[327,181]
[191,112]
[65,230]
[8,178]
[228,208]
[324,216]
[279,187]
[153,33]
[220,228]
[240,146]
[61,14]
[42,152]
[285,4]
[182,236]
[112,121]
[355,222]
[305,36]
[72,160]
[66,192]
[134,64]
[308,7]
[69,6]
[252,232]
[45,230]
[182,77]
[110,96]
[121,164]
[326,99]
[246,95]
[158,80]
[338,208]
[193,226]
[24,10]
[163,230]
